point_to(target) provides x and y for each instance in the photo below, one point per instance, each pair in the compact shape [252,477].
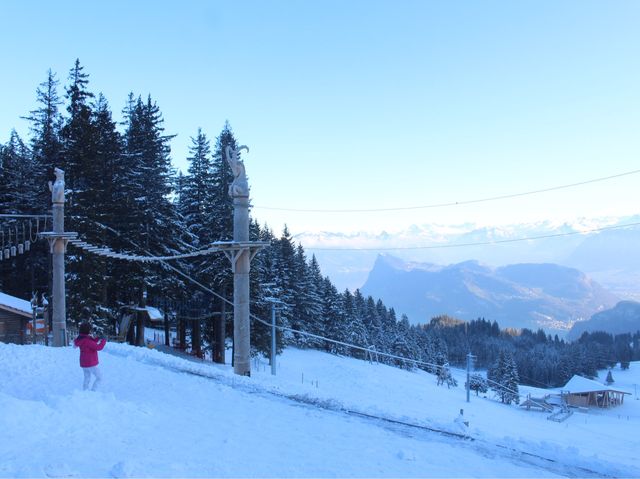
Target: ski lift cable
[453,203]
[505,388]
[353,346]
[282,328]
[304,333]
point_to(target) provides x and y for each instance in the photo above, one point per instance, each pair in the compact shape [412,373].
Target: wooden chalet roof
[15,305]
[581,385]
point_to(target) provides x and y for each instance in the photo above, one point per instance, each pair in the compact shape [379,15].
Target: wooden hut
[15,314]
[583,392]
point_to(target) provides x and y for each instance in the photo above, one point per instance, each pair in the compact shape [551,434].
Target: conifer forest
[124,194]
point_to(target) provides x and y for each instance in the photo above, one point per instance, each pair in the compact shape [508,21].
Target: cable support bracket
[52,237]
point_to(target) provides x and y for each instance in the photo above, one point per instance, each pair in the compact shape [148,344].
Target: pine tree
[285,280]
[312,290]
[264,291]
[623,350]
[373,323]
[332,315]
[16,197]
[504,378]
[609,379]
[220,215]
[78,147]
[17,192]
[46,144]
[223,177]
[403,344]
[103,177]
[445,377]
[149,217]
[383,336]
[196,201]
[45,124]
[302,307]
[478,383]
[353,330]
[195,205]
[91,154]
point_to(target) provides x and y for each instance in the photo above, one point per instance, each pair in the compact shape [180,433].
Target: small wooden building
[583,392]
[15,314]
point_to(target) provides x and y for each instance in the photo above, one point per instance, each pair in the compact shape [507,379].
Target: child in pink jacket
[89,347]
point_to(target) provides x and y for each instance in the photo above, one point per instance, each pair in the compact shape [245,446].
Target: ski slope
[159,415]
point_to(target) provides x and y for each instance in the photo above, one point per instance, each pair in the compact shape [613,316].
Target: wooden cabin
[583,392]
[132,322]
[15,314]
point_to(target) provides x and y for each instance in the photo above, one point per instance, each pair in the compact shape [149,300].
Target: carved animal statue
[57,188]
[240,185]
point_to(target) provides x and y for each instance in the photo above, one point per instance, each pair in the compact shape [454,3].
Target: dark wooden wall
[12,327]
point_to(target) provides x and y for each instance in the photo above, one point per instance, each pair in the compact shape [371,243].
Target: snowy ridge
[606,255]
[157,416]
[435,234]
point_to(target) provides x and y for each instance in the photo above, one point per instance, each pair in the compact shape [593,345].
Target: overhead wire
[369,350]
[451,203]
[280,327]
[438,205]
[260,320]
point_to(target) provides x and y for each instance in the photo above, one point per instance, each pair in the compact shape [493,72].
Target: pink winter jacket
[89,348]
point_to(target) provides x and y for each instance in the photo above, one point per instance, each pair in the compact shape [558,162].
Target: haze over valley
[598,258]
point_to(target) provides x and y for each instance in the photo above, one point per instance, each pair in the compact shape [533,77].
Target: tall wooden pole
[240,252]
[59,317]
[241,326]
[240,261]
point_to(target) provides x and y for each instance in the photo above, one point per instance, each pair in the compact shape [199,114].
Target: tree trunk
[219,334]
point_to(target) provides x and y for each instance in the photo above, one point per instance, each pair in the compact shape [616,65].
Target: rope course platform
[232,249]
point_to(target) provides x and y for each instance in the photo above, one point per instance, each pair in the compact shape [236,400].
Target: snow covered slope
[162,416]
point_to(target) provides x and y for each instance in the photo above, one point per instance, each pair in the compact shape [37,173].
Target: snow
[578,384]
[158,415]
[154,313]
[16,305]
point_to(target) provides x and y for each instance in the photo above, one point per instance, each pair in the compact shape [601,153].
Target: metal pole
[468,375]
[273,338]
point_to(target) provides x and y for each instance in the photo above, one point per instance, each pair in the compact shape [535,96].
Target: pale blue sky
[365,104]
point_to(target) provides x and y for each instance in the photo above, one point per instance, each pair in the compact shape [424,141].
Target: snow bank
[158,415]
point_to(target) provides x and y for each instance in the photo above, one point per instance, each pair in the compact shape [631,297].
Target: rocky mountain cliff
[535,296]
[623,318]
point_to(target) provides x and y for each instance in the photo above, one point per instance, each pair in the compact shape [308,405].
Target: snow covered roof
[154,313]
[15,305]
[578,384]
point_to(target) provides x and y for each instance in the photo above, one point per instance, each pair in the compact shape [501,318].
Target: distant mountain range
[623,318]
[611,257]
[534,296]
